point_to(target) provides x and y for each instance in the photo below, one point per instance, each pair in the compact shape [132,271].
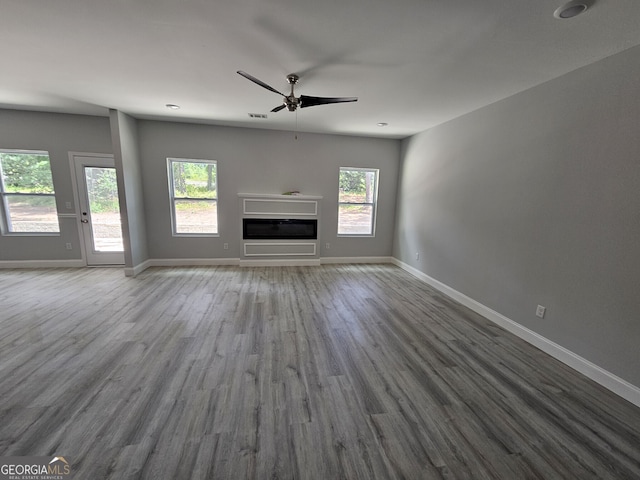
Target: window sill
[31,234]
[356,235]
[195,235]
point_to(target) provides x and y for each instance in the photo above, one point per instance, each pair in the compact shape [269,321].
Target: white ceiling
[412,63]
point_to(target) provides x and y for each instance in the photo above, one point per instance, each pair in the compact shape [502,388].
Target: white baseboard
[179,262]
[189,262]
[272,262]
[141,267]
[332,260]
[192,262]
[599,375]
[78,263]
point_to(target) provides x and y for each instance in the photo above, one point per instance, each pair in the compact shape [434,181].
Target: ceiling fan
[291,102]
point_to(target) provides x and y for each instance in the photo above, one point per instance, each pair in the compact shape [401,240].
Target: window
[193,186]
[26,187]
[358,193]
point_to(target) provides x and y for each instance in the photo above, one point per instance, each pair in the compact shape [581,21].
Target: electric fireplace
[279,228]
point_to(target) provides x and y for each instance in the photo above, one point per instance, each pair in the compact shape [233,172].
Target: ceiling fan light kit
[291,102]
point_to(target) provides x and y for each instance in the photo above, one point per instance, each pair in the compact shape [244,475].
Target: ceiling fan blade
[307,101]
[259,82]
[278,108]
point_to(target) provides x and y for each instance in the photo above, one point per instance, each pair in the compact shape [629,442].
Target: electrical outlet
[417,255]
[540,311]
[225,246]
[327,245]
[68,246]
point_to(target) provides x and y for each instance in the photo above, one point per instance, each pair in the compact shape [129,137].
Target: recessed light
[571,9]
[172,106]
[382,124]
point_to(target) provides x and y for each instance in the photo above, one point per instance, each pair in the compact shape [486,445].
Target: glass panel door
[104,209]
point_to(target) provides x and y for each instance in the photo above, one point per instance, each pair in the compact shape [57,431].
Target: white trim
[192,262]
[281,263]
[196,235]
[173,198]
[75,263]
[279,244]
[76,199]
[90,154]
[25,151]
[93,257]
[76,194]
[31,234]
[179,262]
[356,235]
[374,204]
[246,211]
[136,269]
[280,196]
[334,260]
[599,375]
[6,221]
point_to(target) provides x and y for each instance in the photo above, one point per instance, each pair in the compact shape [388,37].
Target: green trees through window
[102,187]
[28,196]
[358,191]
[193,188]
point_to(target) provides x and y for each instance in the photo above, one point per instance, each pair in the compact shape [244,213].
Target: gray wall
[263,161]
[249,161]
[535,200]
[124,131]
[58,134]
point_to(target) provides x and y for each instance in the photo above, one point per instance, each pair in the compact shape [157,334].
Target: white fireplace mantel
[280,196]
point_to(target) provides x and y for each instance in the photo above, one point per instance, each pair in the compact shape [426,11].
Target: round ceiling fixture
[382,124]
[172,106]
[571,9]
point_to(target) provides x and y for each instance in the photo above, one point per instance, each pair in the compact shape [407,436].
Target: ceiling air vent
[258,115]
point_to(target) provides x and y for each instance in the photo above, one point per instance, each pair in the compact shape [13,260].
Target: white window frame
[173,198]
[6,228]
[373,204]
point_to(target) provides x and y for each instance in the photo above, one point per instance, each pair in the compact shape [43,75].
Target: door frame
[73,161]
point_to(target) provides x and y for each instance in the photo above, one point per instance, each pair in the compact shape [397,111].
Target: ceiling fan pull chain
[296,131]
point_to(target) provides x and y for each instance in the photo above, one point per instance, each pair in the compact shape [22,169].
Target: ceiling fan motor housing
[292,103]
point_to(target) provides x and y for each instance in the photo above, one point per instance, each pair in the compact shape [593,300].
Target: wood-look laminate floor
[332,372]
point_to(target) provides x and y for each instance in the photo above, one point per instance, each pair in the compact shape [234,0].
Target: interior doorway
[100,221]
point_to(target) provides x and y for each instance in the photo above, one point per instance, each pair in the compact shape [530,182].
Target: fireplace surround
[279,229]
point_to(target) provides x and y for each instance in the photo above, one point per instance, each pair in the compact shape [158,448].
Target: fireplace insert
[279,228]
